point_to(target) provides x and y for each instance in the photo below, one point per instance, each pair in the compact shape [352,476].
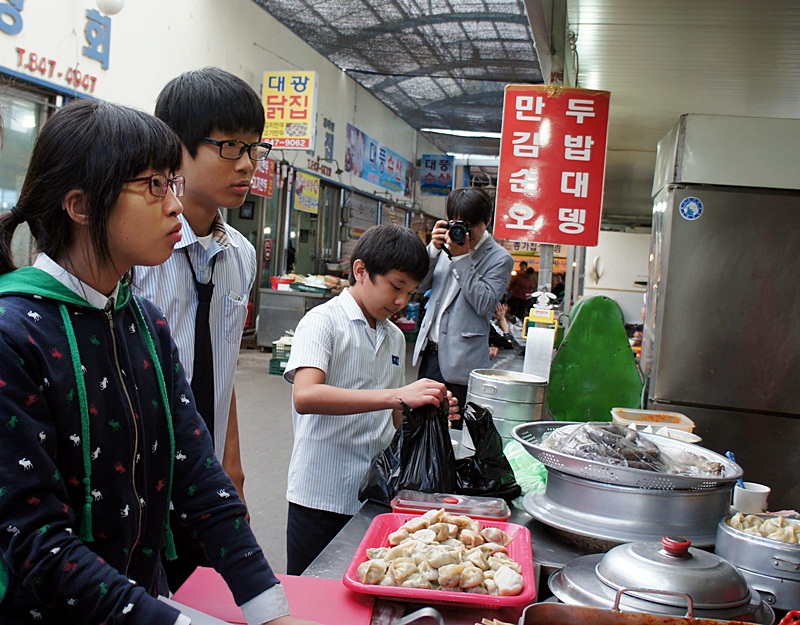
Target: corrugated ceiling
[436,63]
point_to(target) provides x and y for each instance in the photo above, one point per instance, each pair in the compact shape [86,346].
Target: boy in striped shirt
[348,369]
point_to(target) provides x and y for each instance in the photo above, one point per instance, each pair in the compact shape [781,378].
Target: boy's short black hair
[199,102]
[385,247]
[470,204]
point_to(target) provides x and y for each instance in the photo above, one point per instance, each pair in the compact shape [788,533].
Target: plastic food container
[656,418]
[519,549]
[481,508]
[663,430]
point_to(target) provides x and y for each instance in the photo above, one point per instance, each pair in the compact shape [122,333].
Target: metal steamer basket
[531,436]
[513,398]
[596,516]
[770,566]
[597,506]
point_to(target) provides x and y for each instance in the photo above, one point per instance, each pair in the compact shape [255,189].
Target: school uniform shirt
[171,287]
[99,433]
[332,453]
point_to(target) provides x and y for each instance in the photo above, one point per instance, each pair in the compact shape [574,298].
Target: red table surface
[323,600]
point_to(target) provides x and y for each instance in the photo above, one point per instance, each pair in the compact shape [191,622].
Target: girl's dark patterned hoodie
[98,431]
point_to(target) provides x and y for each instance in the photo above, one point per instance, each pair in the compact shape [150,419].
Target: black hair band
[17,215]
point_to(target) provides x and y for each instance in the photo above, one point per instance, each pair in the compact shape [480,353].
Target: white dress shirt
[332,453]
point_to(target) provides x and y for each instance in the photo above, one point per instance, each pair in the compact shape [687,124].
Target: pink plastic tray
[377,535]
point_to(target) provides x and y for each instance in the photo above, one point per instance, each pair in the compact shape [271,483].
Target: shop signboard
[552,165]
[290,103]
[436,174]
[305,193]
[372,161]
[264,179]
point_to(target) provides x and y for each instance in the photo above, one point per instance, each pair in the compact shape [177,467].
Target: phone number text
[49,68]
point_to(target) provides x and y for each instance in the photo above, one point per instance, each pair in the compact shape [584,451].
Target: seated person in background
[499,332]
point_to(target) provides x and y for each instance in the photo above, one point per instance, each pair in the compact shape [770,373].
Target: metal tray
[530,436]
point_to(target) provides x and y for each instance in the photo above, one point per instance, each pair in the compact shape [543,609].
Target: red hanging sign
[552,165]
[263,179]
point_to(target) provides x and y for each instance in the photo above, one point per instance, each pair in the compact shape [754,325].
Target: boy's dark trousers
[308,532]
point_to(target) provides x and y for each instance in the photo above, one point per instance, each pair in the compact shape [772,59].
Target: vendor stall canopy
[436,63]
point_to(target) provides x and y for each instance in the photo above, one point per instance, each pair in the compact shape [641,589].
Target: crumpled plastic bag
[420,457]
[486,472]
[530,473]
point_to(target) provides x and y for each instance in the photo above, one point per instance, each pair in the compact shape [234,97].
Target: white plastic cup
[752,499]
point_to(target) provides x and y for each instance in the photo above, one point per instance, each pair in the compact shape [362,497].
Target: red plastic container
[479,508]
[519,549]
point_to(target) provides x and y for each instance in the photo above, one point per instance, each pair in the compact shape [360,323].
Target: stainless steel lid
[676,567]
[653,583]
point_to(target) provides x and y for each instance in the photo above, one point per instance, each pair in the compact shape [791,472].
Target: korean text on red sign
[552,165]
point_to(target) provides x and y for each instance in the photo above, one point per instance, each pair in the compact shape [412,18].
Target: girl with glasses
[99,430]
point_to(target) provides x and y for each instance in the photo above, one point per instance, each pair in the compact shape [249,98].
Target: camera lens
[458,232]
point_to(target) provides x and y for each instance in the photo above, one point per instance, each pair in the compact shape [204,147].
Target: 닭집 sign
[552,165]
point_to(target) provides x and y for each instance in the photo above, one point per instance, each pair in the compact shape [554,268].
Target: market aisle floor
[265,430]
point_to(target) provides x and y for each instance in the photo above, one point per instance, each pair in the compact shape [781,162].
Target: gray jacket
[464,330]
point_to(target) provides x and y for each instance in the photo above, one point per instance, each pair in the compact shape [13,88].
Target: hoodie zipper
[132,413]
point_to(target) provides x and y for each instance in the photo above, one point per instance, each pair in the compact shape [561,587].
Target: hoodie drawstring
[85,531]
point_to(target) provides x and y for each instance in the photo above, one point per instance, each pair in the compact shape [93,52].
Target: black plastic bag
[487,472]
[420,457]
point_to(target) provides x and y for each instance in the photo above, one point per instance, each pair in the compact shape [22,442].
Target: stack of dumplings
[772,527]
[442,551]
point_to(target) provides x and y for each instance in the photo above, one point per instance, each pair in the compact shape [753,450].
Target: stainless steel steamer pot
[513,398]
[621,514]
[770,566]
[509,395]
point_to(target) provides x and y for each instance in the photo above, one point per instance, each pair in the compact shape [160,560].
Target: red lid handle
[450,500]
[676,546]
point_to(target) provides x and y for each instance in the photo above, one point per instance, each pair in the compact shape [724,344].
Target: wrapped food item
[615,444]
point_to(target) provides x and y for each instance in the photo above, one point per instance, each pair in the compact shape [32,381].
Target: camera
[458,231]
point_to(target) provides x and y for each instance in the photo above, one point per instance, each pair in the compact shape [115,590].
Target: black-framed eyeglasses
[159,184]
[232,149]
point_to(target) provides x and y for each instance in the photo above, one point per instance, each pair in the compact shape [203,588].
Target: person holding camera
[467,282]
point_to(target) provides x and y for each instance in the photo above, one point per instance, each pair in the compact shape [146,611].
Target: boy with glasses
[203,288]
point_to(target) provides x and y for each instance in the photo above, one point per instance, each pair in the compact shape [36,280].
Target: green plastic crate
[277,366]
[281,351]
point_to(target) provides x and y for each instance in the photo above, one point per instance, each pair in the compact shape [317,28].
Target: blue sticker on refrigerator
[691,208]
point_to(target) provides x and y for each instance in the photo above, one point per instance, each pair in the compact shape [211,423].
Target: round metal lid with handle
[667,578]
[676,567]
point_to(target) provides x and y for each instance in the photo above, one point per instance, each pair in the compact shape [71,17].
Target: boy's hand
[421,393]
[453,414]
[493,351]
